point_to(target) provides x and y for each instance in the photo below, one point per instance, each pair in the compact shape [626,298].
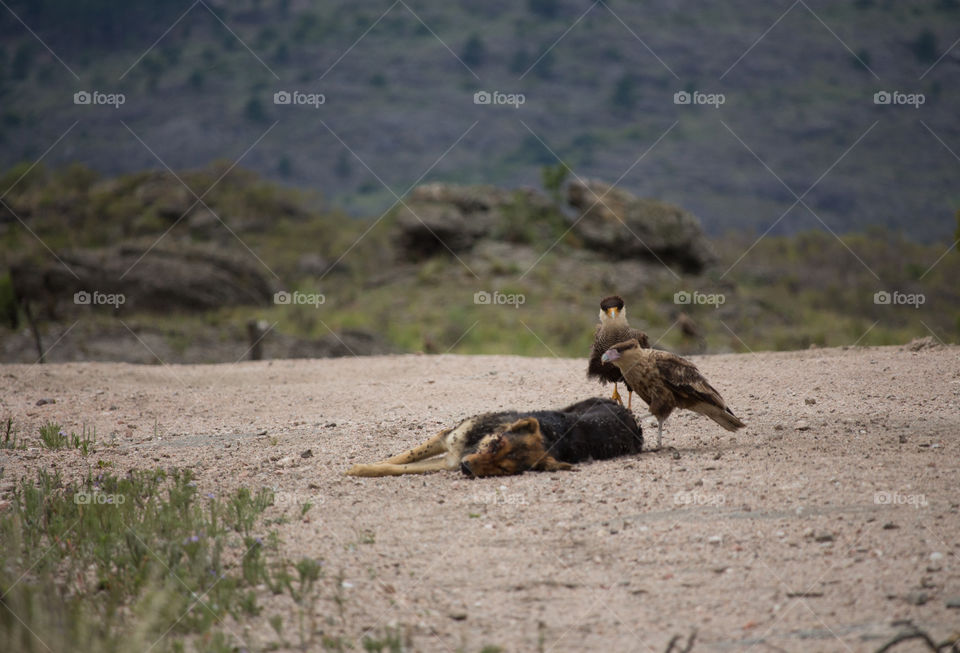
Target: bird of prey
[613,328]
[666,382]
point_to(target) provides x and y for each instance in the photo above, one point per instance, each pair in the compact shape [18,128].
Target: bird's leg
[616,395]
[659,432]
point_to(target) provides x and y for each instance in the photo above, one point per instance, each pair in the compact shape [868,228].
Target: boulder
[170,276]
[620,225]
[440,217]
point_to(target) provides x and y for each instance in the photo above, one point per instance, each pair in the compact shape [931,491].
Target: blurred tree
[625,93]
[956,236]
[553,178]
[343,169]
[925,47]
[544,8]
[22,58]
[197,78]
[9,313]
[474,52]
[152,66]
[519,61]
[254,110]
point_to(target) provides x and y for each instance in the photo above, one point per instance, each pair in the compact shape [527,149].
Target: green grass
[126,563]
[10,440]
[52,436]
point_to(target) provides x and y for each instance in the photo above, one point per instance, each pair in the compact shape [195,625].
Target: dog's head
[512,450]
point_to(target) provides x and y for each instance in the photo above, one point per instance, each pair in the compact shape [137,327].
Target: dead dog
[511,442]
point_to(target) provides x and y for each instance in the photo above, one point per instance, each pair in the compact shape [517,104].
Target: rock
[802,425]
[919,344]
[916,598]
[203,222]
[622,225]
[823,536]
[953,603]
[314,265]
[810,401]
[44,402]
[441,218]
[170,276]
[307,454]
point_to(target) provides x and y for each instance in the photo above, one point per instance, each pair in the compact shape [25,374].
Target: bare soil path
[832,518]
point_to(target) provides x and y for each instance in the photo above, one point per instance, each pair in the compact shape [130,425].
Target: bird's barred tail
[722,416]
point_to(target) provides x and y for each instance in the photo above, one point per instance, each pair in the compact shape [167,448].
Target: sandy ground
[826,524]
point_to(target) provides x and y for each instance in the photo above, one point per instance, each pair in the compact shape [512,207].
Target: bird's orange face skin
[514,450]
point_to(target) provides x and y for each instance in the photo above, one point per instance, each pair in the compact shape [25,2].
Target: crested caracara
[666,382]
[613,328]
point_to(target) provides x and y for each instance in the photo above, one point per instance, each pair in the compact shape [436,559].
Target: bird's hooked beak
[609,356]
[613,311]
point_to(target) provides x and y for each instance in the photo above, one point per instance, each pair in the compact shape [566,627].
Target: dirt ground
[828,523]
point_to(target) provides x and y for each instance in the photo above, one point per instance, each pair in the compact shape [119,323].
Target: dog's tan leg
[393,469]
[432,447]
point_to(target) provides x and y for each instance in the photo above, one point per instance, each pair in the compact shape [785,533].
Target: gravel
[779,536]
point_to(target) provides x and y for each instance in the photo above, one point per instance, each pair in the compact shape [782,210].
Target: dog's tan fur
[511,449]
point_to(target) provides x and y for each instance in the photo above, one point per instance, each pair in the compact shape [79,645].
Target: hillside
[463,269]
[798,117]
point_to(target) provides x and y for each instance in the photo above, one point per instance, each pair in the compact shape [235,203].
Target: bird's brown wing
[641,338]
[684,379]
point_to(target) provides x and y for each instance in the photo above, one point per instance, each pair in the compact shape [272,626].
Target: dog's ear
[525,425]
[550,464]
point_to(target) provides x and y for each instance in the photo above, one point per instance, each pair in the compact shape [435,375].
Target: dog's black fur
[594,428]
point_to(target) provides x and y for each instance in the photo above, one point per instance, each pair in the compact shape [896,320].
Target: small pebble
[916,598]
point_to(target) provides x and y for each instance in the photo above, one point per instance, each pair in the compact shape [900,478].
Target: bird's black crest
[613,301]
